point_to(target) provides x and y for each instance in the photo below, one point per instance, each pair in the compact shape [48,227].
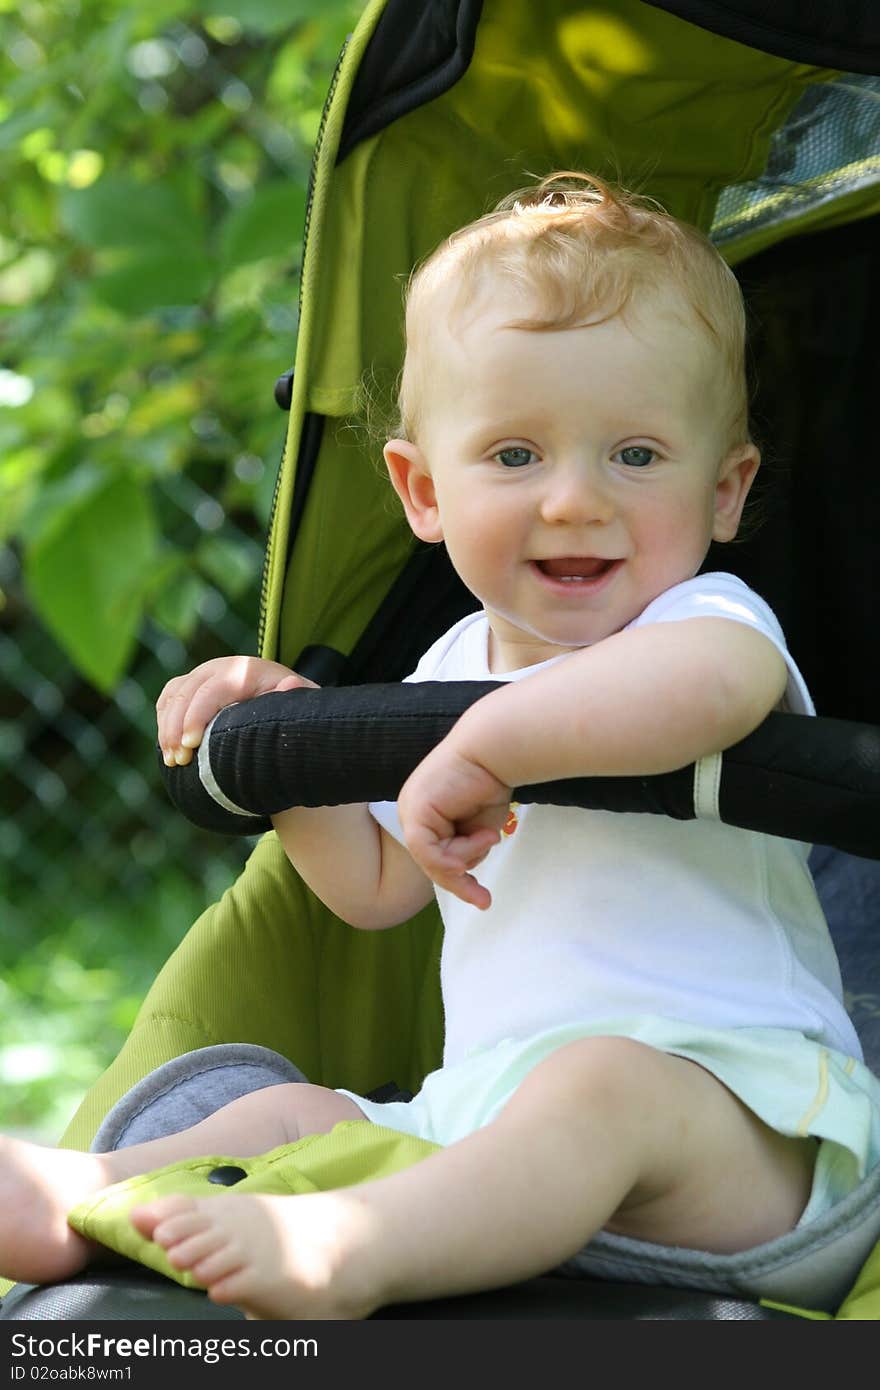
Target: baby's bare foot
[273,1257]
[38,1187]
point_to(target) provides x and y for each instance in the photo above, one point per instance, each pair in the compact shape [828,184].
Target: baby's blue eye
[515,457]
[636,456]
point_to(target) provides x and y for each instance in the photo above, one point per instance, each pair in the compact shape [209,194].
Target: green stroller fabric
[628,91]
[351,1153]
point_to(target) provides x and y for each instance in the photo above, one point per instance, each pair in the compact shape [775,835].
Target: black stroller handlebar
[803,778]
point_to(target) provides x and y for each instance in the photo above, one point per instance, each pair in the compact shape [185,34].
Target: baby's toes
[188,1251]
[221,1263]
[232,1287]
[168,1219]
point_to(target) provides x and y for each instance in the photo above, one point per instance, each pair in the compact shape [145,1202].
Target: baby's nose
[575,495]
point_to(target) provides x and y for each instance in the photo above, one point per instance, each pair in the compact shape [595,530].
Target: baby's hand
[188,703]
[452,811]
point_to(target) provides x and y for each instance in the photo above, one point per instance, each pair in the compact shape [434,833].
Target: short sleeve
[385,813]
[719,595]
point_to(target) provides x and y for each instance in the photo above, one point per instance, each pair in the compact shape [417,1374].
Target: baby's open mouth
[574,569]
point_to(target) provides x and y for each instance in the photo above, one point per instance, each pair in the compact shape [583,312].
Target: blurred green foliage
[154,156]
[69,1001]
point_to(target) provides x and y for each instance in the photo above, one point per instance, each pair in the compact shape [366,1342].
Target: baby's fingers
[188,703]
[447,863]
[296,682]
[185,712]
[171,711]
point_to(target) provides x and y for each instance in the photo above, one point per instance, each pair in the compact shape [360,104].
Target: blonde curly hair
[581,251]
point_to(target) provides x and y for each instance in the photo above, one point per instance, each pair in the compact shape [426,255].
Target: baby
[645,1034]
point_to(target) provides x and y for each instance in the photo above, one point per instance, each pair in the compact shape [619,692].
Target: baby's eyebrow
[491,434]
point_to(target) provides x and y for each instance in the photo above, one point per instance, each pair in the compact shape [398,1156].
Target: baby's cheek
[680,538]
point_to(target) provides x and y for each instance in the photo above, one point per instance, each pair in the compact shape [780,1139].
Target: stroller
[763,130]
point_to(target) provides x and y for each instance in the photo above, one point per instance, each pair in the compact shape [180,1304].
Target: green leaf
[59,499]
[121,212]
[87,574]
[154,280]
[269,224]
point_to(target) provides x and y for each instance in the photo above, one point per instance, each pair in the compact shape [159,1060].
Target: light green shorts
[796,1086]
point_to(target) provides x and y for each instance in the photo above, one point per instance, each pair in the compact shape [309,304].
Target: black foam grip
[812,779]
[807,779]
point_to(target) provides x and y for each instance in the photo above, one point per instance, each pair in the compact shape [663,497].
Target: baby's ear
[412,481]
[735,477]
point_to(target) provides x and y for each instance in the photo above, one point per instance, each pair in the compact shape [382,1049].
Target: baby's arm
[646,700]
[354,866]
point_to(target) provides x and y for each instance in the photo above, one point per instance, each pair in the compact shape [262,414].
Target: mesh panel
[84,814]
[829,147]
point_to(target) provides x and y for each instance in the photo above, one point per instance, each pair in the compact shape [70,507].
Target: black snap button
[227,1175]
[284,390]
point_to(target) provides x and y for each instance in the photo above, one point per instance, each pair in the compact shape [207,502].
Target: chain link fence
[100,877]
[85,816]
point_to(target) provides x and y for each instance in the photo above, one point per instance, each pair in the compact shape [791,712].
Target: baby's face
[578,473]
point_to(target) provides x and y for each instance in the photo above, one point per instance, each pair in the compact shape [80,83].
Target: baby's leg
[38,1186]
[604,1133]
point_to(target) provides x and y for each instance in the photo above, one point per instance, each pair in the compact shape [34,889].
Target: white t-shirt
[602,914]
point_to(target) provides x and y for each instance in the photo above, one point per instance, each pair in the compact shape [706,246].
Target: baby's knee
[303,1109]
